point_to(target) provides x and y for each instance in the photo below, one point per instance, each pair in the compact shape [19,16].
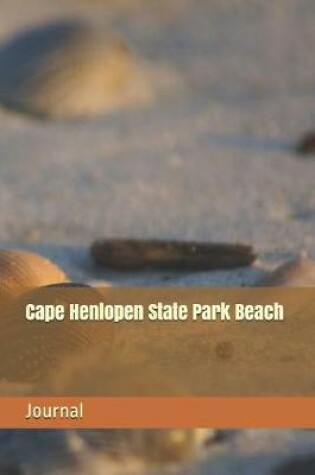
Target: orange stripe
[166,412]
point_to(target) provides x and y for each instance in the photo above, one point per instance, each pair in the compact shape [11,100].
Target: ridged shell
[22,270]
[68,69]
[299,272]
[31,351]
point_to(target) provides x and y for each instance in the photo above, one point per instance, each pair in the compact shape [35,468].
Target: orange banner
[150,412]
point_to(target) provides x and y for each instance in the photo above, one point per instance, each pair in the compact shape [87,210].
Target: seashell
[153,447]
[22,270]
[69,69]
[31,351]
[93,451]
[174,445]
[294,273]
[132,254]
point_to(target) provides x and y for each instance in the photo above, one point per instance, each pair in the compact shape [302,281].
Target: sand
[212,159]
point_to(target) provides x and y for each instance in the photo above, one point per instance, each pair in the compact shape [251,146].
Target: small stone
[306,145]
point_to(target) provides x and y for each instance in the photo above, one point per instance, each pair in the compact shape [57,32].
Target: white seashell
[297,272]
[31,351]
[69,69]
[22,270]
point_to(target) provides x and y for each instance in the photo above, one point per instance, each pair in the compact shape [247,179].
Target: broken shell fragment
[23,270]
[171,255]
[69,69]
[299,272]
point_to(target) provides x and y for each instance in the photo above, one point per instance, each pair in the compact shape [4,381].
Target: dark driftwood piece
[170,255]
